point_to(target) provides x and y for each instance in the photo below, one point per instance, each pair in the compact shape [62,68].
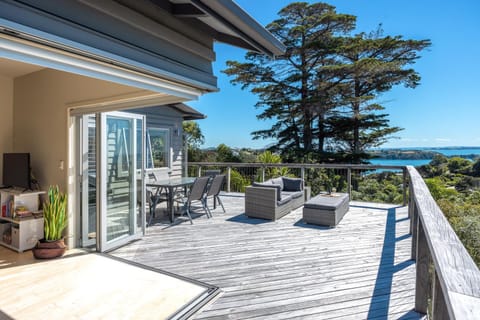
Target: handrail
[456,279]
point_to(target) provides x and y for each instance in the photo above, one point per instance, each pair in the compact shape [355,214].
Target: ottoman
[325,209]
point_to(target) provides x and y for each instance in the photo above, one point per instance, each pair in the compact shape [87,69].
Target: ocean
[447,152]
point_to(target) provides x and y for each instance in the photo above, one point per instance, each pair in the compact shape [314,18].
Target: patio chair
[212,172]
[214,190]
[198,193]
[154,196]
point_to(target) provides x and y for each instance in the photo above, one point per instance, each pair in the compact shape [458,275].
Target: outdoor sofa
[274,198]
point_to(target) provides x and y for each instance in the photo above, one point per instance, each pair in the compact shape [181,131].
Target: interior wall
[6,118]
[40,118]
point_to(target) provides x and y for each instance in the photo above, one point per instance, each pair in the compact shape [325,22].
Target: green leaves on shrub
[55,214]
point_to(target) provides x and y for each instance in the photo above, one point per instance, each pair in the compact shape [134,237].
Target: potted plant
[55,221]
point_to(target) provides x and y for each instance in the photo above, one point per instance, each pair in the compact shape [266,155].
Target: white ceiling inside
[14,69]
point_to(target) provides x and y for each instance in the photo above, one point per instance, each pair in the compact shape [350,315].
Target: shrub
[237,181]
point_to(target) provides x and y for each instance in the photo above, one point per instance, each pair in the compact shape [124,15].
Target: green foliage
[225,154]
[458,165]
[385,187]
[271,158]
[439,190]
[193,137]
[192,134]
[325,180]
[238,182]
[55,214]
[476,168]
[453,190]
[468,229]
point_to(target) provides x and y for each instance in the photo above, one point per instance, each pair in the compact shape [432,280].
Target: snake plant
[55,214]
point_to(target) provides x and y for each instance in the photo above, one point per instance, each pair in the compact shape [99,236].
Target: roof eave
[243,25]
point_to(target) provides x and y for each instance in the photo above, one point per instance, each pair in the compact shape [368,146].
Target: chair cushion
[324,202]
[270,185]
[278,181]
[292,184]
[284,200]
[292,194]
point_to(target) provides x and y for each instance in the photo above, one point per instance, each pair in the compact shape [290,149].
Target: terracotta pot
[49,249]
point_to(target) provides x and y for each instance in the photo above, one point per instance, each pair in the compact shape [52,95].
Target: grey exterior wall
[165,117]
[134,33]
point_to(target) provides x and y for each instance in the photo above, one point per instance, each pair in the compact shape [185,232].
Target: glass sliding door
[122,209]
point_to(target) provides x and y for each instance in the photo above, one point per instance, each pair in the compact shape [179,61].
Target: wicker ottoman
[325,209]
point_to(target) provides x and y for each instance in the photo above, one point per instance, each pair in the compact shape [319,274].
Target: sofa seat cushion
[292,184]
[285,200]
[292,194]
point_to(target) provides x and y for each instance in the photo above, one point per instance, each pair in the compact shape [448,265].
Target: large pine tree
[288,86]
[369,65]
[323,93]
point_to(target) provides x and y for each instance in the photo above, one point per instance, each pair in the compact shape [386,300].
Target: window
[158,147]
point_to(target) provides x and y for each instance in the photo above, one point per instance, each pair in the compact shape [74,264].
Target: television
[16,170]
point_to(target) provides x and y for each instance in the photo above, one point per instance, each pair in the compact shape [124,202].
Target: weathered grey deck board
[290,270]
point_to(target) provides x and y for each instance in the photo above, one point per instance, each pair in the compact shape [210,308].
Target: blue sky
[443,111]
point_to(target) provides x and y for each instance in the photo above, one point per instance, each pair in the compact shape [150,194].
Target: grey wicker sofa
[274,198]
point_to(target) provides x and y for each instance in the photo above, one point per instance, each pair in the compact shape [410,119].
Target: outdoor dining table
[170,185]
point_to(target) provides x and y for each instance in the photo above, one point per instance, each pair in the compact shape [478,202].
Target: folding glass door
[113,208]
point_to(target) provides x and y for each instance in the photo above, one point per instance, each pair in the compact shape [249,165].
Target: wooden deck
[290,270]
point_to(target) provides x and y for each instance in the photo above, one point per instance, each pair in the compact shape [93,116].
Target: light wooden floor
[289,270]
[89,286]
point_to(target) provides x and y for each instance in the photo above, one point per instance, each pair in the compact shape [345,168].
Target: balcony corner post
[422,281]
[349,183]
[439,308]
[229,176]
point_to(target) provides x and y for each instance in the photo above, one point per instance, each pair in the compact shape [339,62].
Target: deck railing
[447,278]
[453,284]
[255,170]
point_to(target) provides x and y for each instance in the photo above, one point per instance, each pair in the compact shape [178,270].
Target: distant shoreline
[424,153]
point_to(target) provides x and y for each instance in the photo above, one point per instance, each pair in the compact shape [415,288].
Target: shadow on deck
[288,269]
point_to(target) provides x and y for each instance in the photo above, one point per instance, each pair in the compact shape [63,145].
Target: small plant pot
[49,249]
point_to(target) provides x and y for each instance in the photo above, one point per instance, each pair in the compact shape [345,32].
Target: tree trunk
[356,122]
[321,132]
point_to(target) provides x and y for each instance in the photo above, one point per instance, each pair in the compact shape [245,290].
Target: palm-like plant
[55,214]
[271,158]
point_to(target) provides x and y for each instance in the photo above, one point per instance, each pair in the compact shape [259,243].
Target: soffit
[188,113]
[14,69]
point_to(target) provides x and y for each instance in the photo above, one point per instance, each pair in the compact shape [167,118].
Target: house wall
[40,117]
[42,126]
[6,118]
[165,117]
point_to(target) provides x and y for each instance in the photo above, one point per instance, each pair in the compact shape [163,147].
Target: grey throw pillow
[278,181]
[292,184]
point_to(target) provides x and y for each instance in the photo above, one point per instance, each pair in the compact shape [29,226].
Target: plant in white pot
[55,221]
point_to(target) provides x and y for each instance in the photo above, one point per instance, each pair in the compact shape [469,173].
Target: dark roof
[188,113]
[233,25]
